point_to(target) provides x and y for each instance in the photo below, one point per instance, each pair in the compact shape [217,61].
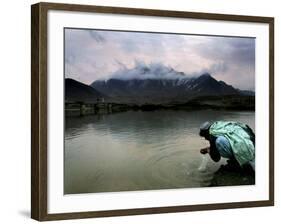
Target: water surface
[139,150]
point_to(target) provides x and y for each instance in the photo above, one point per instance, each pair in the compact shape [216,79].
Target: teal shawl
[241,144]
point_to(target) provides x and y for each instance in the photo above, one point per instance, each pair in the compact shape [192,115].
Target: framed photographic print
[140,111]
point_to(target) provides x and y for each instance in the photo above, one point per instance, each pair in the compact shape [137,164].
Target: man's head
[204,130]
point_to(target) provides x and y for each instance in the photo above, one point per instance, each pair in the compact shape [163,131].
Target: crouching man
[232,140]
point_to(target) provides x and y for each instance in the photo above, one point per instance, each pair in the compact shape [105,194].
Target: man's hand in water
[205,150]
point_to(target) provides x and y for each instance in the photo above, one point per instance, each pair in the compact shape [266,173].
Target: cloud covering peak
[99,54]
[147,71]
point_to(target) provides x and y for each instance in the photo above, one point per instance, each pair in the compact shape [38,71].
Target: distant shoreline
[234,103]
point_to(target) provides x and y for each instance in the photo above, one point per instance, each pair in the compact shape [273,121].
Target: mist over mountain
[160,84]
[143,71]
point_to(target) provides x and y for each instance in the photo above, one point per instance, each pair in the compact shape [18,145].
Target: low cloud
[142,70]
[94,54]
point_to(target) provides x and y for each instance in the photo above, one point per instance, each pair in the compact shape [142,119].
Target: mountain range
[147,85]
[156,91]
[78,92]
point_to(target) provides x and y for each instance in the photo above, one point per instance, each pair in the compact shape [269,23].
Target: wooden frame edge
[39,110]
[34,113]
[271,111]
[154,12]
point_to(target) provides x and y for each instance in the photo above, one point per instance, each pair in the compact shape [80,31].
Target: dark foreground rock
[232,174]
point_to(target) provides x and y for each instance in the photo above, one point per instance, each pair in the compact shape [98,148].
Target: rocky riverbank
[232,174]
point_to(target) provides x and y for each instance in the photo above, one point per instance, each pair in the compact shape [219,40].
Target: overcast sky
[91,55]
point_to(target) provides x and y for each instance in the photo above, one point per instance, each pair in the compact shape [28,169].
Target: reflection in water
[138,150]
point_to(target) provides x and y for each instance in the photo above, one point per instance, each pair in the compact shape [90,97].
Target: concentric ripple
[138,150]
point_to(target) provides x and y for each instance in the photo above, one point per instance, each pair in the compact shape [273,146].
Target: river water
[139,150]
